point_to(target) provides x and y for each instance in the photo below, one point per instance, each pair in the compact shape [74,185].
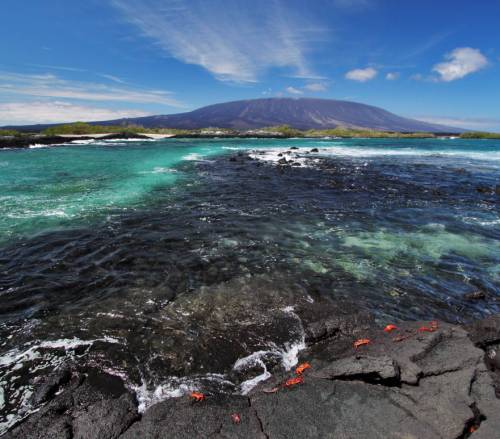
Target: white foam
[376,152]
[83,142]
[36,145]
[2,398]
[290,356]
[160,170]
[192,157]
[14,356]
[173,387]
[127,140]
[273,155]
[474,220]
[341,150]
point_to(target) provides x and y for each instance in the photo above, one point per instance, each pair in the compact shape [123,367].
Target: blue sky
[102,59]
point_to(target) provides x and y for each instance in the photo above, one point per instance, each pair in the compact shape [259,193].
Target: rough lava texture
[406,384]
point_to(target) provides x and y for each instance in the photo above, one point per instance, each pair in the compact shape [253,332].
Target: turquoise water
[66,186]
[145,258]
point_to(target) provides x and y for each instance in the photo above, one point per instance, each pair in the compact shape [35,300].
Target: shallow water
[176,267]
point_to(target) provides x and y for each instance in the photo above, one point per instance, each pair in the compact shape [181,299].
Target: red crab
[197,396]
[361,342]
[290,382]
[301,368]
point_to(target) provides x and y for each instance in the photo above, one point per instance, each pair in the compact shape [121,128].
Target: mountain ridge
[300,113]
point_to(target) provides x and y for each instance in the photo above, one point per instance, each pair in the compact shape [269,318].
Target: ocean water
[177,264]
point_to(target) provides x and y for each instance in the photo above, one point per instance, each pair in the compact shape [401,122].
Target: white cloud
[315,87]
[361,75]
[51,86]
[234,41]
[392,76]
[23,113]
[294,91]
[460,62]
[112,78]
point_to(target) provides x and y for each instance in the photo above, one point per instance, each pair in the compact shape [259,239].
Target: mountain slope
[303,113]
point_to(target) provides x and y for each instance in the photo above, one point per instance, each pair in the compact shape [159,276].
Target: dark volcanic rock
[51,385]
[27,141]
[409,383]
[485,332]
[181,418]
[94,405]
[373,369]
[476,295]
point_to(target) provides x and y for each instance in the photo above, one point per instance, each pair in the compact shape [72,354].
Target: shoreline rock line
[412,380]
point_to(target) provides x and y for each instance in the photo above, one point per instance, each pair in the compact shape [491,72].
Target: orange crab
[433,327]
[236,418]
[301,368]
[197,396]
[361,342]
[290,382]
[390,328]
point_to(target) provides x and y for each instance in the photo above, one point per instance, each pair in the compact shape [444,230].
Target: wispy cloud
[52,86]
[361,75]
[234,41]
[294,91]
[460,62]
[76,69]
[427,45]
[316,87]
[417,77]
[112,78]
[17,113]
[392,76]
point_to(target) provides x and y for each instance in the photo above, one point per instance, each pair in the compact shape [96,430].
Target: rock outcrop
[420,380]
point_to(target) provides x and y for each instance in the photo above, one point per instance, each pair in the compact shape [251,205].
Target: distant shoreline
[27,141]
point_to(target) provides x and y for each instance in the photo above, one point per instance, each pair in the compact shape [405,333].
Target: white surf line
[14,356]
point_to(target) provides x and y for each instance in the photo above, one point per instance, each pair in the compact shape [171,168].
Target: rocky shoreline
[25,141]
[31,140]
[418,380]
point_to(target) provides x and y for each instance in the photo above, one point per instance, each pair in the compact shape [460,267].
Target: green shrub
[9,133]
[479,135]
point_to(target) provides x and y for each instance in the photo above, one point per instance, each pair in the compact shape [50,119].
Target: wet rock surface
[89,405]
[420,380]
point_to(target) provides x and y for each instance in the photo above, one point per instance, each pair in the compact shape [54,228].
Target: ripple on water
[194,288]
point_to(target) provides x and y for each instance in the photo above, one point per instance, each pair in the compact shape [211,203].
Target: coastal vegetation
[288,131]
[9,133]
[480,135]
[86,128]
[285,131]
[82,128]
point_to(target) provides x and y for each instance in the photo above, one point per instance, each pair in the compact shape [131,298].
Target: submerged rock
[476,295]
